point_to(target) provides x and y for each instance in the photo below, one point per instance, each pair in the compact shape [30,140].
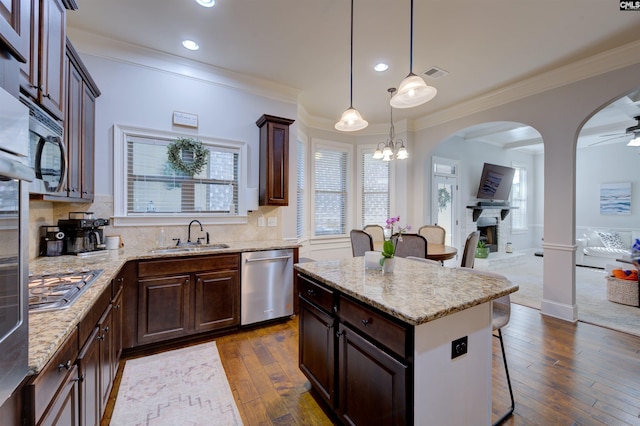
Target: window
[519,198]
[375,178]
[300,193]
[331,181]
[147,186]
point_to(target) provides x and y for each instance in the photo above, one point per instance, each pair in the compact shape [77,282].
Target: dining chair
[423,260]
[376,232]
[433,233]
[361,242]
[469,253]
[500,315]
[410,245]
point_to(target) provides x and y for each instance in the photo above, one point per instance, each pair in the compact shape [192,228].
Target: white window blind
[330,191]
[375,189]
[519,199]
[154,187]
[300,195]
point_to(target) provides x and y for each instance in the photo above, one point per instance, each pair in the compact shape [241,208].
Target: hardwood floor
[562,374]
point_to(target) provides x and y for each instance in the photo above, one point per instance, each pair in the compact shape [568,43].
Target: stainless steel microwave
[47,153]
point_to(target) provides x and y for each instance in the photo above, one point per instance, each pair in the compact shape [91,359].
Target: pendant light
[351,119]
[391,147]
[413,90]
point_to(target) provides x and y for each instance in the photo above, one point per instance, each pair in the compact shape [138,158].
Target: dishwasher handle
[262,259]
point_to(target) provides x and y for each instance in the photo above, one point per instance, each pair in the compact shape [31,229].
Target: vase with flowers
[387,261]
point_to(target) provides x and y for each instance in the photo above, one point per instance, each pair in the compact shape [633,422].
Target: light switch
[272,221]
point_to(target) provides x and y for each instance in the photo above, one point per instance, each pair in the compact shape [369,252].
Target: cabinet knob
[366,322]
[79,379]
[106,330]
[311,292]
[339,333]
[66,365]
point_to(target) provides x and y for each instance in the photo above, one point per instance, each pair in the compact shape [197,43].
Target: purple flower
[636,245]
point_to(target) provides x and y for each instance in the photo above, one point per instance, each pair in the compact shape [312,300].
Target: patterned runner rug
[187,386]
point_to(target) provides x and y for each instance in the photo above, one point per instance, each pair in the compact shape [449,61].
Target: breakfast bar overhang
[411,347]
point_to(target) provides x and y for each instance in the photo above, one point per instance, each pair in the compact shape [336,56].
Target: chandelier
[391,148]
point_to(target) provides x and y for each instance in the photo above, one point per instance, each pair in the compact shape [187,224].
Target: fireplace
[488,227]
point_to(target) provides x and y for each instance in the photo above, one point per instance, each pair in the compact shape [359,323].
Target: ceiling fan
[632,132]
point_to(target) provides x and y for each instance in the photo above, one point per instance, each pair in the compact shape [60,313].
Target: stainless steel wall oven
[15,174]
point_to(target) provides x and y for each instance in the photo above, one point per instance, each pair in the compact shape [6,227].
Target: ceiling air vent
[435,73]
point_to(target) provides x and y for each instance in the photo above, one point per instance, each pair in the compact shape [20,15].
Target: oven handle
[63,159]
[13,169]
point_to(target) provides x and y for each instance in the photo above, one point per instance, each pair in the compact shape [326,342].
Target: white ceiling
[304,44]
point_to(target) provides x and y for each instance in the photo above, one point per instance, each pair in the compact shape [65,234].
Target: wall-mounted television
[495,182]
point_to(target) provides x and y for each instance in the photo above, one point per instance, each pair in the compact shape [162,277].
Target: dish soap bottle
[162,239]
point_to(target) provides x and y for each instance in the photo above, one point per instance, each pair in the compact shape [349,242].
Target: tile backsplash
[43,213]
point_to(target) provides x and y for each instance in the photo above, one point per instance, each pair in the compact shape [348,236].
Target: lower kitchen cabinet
[356,357]
[64,409]
[183,296]
[90,390]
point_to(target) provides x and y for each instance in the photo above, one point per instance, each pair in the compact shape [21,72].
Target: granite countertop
[415,292]
[48,330]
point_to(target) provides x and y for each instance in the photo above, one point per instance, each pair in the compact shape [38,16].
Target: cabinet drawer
[88,323]
[44,386]
[314,293]
[187,265]
[374,325]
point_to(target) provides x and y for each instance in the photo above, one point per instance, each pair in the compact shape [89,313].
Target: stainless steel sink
[190,248]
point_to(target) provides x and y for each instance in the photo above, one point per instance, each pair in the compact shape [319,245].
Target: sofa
[600,247]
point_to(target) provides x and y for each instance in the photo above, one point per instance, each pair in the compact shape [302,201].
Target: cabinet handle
[311,292]
[100,337]
[366,322]
[106,330]
[339,333]
[117,306]
[79,379]
[329,326]
[66,365]
[48,96]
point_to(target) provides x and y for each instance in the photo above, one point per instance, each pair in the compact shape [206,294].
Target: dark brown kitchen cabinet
[356,357]
[274,160]
[15,32]
[317,349]
[64,410]
[81,94]
[183,296]
[42,76]
[217,303]
[90,390]
[163,308]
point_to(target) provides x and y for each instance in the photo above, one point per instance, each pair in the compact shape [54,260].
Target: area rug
[591,295]
[187,386]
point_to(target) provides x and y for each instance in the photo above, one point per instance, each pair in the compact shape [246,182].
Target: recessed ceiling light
[381,67]
[206,3]
[190,44]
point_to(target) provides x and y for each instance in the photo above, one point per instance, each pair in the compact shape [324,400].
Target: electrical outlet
[272,221]
[459,347]
[261,221]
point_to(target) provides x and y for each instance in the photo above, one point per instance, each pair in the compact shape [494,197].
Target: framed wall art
[615,198]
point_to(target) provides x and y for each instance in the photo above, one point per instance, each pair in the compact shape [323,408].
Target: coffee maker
[83,232]
[51,241]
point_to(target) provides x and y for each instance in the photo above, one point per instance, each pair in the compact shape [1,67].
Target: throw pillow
[611,240]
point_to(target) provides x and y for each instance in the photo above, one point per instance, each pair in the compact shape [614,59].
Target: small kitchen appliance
[51,241]
[83,233]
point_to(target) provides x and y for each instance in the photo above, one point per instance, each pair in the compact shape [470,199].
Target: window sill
[177,220]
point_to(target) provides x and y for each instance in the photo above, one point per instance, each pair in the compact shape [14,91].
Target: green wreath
[200,154]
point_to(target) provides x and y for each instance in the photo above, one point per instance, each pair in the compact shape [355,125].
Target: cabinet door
[373,384]
[163,308]
[29,69]
[274,160]
[316,349]
[14,27]
[73,130]
[116,334]
[217,302]
[52,53]
[105,337]
[64,410]
[89,368]
[87,143]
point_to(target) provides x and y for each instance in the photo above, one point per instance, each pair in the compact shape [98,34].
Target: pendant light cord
[410,40]
[351,64]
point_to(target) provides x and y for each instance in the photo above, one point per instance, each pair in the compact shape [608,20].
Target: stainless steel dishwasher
[266,285]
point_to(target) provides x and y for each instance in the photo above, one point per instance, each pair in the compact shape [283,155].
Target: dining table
[437,252]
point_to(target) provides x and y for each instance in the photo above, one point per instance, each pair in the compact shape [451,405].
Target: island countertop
[48,330]
[415,292]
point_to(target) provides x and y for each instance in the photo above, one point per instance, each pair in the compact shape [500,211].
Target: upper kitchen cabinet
[80,105]
[274,160]
[15,32]
[42,75]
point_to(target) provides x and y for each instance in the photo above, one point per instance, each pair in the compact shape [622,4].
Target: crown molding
[102,47]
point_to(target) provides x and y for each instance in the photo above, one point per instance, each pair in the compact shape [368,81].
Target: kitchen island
[412,347]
